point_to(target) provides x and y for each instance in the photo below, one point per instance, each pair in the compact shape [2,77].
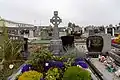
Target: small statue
[102,58]
[105,63]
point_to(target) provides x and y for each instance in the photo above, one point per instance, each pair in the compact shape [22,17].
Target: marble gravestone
[56,43]
[44,35]
[110,30]
[99,43]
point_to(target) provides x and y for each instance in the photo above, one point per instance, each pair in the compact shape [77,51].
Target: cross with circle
[55,19]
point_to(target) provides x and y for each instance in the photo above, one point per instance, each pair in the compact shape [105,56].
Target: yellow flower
[31,75]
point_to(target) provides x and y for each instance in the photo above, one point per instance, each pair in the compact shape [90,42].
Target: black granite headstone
[67,41]
[94,43]
[25,49]
[26,44]
[109,31]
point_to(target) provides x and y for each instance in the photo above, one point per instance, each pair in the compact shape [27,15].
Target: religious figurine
[105,63]
[102,58]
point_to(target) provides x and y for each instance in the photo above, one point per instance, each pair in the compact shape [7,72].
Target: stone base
[56,46]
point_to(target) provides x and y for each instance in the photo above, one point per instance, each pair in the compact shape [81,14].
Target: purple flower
[58,64]
[79,59]
[82,64]
[26,67]
[52,63]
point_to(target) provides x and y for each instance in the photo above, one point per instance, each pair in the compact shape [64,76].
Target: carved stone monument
[98,44]
[56,43]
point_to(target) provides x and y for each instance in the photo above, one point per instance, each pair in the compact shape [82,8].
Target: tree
[119,24]
[73,25]
[69,24]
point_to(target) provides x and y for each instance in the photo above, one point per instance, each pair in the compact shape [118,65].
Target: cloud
[82,12]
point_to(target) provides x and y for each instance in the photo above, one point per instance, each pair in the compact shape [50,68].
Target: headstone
[26,44]
[105,30]
[91,32]
[62,34]
[113,32]
[56,43]
[109,31]
[83,29]
[44,35]
[25,51]
[95,43]
[31,34]
[99,43]
[67,42]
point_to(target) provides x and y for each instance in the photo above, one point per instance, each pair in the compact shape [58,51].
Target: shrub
[76,73]
[38,60]
[53,74]
[31,75]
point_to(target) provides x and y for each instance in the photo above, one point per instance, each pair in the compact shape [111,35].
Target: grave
[44,35]
[110,30]
[93,31]
[98,43]
[102,29]
[56,43]
[62,33]
[25,51]
[67,42]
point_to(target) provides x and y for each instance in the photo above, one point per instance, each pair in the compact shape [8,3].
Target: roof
[16,22]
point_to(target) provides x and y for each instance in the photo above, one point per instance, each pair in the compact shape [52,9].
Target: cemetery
[72,53]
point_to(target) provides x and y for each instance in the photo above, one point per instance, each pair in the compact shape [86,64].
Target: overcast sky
[81,12]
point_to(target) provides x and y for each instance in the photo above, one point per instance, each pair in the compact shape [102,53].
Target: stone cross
[55,21]
[56,43]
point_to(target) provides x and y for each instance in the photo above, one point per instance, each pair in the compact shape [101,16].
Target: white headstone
[113,31]
[83,29]
[106,42]
[31,34]
[105,30]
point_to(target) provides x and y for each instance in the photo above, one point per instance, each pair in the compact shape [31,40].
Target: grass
[5,73]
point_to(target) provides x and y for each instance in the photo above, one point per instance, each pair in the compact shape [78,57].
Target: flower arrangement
[46,66]
[117,40]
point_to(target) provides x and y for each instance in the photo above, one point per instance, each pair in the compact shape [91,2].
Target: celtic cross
[55,21]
